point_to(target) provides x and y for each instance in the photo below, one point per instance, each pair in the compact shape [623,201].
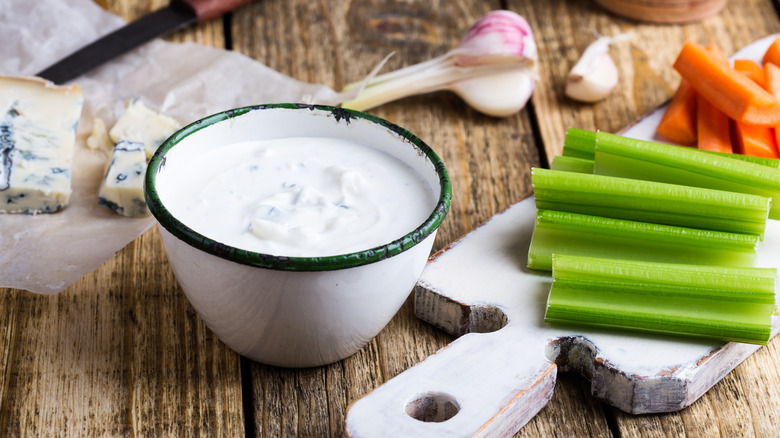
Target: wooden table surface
[122,353]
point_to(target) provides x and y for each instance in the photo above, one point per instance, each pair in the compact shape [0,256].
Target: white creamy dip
[300,197]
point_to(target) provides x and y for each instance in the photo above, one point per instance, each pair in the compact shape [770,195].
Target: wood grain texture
[122,353]
[113,356]
[664,11]
[210,33]
[65,367]
[183,379]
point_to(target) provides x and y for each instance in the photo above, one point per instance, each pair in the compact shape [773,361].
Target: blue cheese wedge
[122,187]
[136,136]
[139,124]
[38,123]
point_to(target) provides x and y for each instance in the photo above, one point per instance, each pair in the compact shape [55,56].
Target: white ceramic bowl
[294,311]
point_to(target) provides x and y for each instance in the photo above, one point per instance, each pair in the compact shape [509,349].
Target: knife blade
[177,15]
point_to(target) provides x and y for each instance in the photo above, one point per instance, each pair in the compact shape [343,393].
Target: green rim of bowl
[325,263]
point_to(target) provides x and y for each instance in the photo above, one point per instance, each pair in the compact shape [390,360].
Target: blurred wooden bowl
[663,11]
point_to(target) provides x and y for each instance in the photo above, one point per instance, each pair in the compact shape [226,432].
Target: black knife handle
[208,9]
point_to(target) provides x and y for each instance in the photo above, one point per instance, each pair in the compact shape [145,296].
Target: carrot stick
[751,69]
[714,132]
[728,90]
[712,126]
[772,54]
[717,53]
[772,78]
[679,121]
[772,83]
[758,141]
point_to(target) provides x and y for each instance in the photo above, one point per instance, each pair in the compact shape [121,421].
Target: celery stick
[557,232]
[572,164]
[723,303]
[648,201]
[631,158]
[769,162]
[582,144]
[579,143]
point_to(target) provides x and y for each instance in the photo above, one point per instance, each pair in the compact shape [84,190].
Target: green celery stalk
[557,232]
[648,201]
[579,143]
[582,144]
[768,162]
[572,164]
[723,303]
[631,158]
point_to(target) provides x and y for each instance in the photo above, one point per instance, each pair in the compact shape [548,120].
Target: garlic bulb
[493,69]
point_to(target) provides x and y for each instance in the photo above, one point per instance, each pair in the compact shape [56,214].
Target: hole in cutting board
[433,408]
[486,319]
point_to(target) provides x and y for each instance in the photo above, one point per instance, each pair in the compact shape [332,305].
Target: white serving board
[501,370]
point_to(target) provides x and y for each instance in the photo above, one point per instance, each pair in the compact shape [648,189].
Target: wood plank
[570,412]
[109,356]
[121,352]
[181,377]
[211,33]
[65,371]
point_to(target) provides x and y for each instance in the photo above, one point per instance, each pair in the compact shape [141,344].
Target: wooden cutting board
[501,370]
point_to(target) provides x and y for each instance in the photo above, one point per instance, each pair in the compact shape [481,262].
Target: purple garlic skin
[499,36]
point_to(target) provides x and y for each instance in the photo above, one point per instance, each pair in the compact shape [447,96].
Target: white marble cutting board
[501,370]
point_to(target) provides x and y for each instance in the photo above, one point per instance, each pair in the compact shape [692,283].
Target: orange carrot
[679,121]
[728,90]
[772,54]
[772,83]
[712,126]
[718,53]
[772,78]
[750,69]
[758,141]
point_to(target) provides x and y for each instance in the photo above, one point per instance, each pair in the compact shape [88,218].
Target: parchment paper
[46,253]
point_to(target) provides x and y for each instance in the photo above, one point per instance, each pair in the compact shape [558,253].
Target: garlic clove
[501,95]
[595,83]
[594,75]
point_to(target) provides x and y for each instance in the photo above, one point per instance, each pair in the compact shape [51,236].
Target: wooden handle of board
[469,388]
[208,9]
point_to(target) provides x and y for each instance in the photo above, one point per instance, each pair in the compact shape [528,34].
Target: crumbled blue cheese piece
[122,188]
[136,135]
[139,124]
[99,140]
[37,135]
